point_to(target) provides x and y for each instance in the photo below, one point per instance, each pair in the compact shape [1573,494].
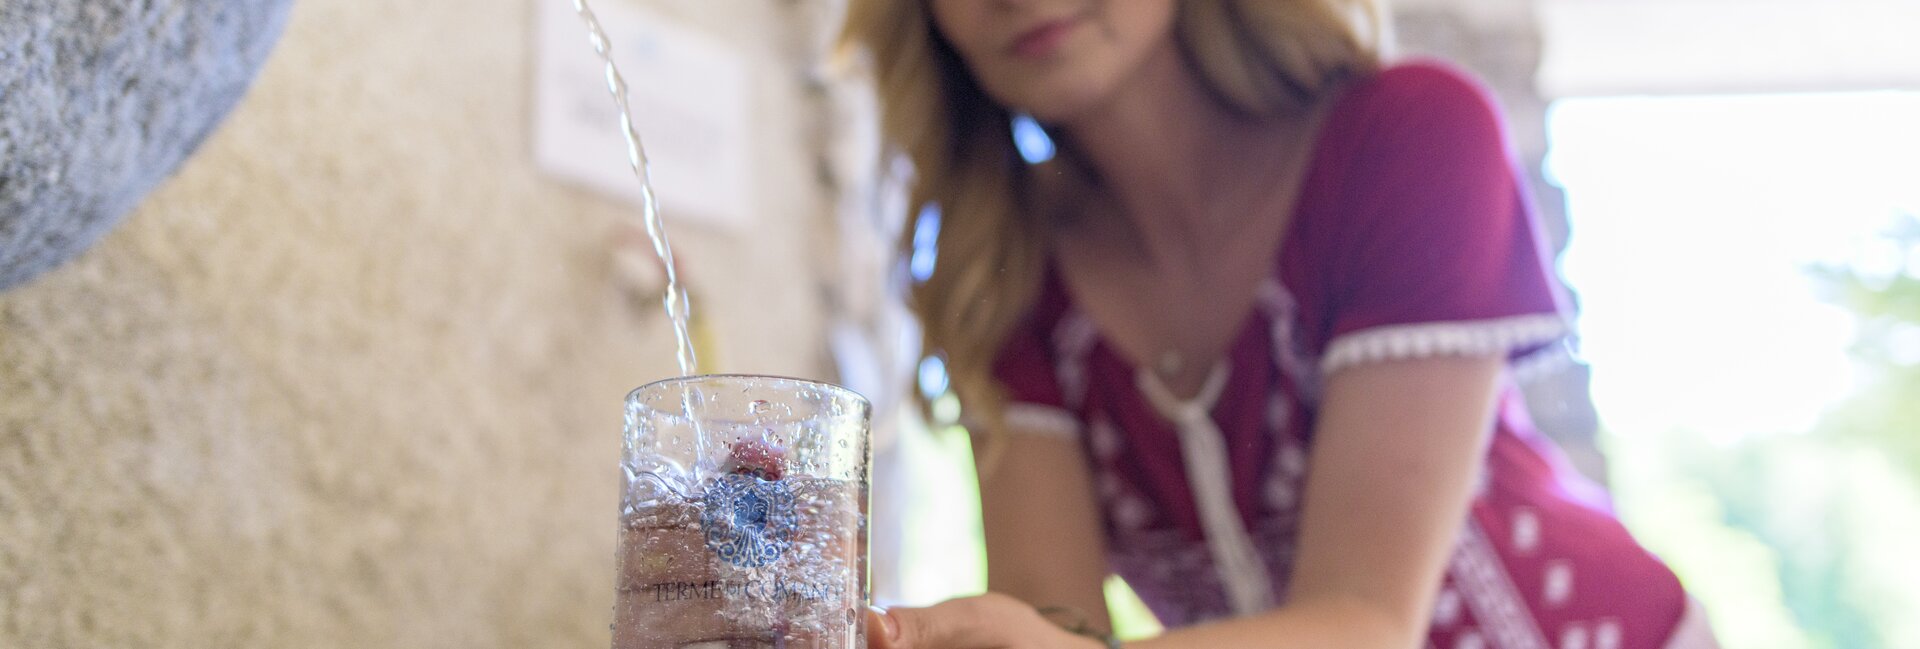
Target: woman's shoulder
[1414,114]
[1420,79]
[1420,90]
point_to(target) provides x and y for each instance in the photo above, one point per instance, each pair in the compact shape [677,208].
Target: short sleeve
[1440,253]
[1027,371]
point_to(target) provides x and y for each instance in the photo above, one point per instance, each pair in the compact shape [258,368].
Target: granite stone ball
[100,100]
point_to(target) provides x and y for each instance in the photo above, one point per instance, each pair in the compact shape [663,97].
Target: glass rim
[839,391]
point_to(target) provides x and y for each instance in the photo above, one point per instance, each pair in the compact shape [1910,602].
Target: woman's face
[1054,59]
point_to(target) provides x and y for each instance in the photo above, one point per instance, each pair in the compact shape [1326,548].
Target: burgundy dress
[1411,238]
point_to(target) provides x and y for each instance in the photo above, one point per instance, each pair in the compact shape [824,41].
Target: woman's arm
[1044,545]
[1392,468]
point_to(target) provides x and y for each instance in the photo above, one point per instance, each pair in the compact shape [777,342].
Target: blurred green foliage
[1804,540]
[1885,293]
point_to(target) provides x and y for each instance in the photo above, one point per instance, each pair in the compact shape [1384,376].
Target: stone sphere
[100,100]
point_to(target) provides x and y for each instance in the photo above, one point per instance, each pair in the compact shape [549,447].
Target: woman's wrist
[1074,621]
[1097,640]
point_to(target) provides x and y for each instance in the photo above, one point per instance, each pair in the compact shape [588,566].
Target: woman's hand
[990,621]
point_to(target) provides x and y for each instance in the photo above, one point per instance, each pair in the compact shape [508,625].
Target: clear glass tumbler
[743,523]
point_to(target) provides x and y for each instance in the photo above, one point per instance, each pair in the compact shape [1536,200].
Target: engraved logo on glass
[749,521]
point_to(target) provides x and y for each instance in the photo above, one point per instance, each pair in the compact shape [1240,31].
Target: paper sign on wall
[690,97]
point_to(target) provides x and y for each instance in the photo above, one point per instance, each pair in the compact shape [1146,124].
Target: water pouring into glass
[743,519]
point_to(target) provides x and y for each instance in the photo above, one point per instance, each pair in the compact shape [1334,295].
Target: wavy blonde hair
[1257,57]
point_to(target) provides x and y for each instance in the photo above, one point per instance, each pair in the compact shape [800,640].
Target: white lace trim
[1547,361]
[1282,311]
[1495,336]
[1491,593]
[1038,420]
[1073,339]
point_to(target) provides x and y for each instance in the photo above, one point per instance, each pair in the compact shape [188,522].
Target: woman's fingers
[985,622]
[882,631]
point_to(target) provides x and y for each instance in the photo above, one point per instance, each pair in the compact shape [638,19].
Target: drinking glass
[743,521]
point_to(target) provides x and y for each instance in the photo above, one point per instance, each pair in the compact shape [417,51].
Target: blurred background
[351,375]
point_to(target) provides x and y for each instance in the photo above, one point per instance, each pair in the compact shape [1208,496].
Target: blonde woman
[1244,342]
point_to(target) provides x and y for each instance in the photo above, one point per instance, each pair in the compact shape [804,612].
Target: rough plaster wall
[352,378]
[102,100]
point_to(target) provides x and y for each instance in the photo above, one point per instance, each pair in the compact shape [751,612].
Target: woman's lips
[1043,40]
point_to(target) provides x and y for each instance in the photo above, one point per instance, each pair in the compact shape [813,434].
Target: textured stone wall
[352,378]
